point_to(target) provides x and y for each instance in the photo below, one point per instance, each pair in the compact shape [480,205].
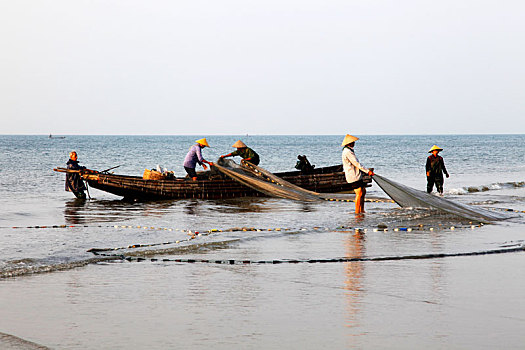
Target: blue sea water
[486,170]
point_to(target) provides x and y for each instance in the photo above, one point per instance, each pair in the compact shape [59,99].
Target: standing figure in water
[354,172]
[194,156]
[435,168]
[74,182]
[245,152]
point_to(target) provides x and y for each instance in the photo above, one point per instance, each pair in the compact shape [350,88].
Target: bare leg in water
[360,200]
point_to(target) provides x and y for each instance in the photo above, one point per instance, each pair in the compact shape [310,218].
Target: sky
[208,67]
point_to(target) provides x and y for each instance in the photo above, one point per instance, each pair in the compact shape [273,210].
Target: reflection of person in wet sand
[73,212]
[354,275]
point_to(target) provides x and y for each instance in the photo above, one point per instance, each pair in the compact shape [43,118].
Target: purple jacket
[193,157]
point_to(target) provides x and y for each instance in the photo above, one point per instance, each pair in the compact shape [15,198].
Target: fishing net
[264,181]
[409,197]
[271,185]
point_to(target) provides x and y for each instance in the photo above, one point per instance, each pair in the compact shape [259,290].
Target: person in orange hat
[245,152]
[194,156]
[435,168]
[354,172]
[74,182]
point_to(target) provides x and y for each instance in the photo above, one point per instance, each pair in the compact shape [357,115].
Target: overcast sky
[262,67]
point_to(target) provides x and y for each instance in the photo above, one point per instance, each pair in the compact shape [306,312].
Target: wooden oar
[81,171]
[105,171]
[64,170]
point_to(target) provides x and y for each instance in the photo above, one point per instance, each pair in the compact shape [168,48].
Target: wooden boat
[210,184]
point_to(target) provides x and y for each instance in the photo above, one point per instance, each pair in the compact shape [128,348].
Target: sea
[261,273]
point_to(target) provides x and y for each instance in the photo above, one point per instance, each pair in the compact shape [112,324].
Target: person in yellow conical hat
[354,172]
[245,152]
[203,142]
[349,139]
[435,148]
[435,168]
[194,156]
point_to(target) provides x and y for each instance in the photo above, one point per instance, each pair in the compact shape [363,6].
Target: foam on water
[486,188]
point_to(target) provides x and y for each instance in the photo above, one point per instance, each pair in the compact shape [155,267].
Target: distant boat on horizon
[56,137]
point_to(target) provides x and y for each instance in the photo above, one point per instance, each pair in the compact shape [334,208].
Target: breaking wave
[485,188]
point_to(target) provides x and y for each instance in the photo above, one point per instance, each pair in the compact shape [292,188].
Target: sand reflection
[354,271]
[73,212]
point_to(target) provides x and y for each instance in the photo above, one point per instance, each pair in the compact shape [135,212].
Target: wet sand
[454,302]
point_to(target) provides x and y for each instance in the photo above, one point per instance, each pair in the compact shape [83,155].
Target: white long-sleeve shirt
[351,166]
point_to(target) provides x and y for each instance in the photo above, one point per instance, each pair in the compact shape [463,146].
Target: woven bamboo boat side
[323,180]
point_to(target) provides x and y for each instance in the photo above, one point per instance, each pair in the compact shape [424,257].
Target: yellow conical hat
[239,144]
[435,148]
[349,139]
[203,142]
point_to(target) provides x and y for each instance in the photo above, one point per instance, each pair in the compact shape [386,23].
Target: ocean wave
[8,341]
[30,266]
[22,267]
[485,188]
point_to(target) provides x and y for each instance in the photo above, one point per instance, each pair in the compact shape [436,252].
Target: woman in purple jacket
[194,156]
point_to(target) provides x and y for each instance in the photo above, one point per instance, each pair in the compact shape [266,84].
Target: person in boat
[194,157]
[74,182]
[354,172]
[245,152]
[303,164]
[435,169]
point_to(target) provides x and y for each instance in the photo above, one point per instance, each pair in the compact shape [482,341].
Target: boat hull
[212,186]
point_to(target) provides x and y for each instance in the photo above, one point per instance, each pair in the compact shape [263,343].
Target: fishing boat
[209,184]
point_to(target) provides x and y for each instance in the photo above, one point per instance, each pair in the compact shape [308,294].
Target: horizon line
[248,134]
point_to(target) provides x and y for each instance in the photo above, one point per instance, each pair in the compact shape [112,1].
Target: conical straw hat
[349,139]
[435,148]
[203,142]
[239,144]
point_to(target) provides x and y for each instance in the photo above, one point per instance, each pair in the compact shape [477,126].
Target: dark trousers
[191,171]
[431,181]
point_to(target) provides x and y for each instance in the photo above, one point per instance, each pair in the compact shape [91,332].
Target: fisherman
[304,165]
[194,156]
[245,152]
[74,182]
[435,168]
[354,172]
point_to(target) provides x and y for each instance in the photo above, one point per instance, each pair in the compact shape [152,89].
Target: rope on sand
[520,248]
